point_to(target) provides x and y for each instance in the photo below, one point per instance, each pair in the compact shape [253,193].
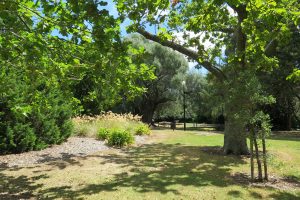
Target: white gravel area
[139,140]
[73,147]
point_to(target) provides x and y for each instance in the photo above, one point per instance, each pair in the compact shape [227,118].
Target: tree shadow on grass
[280,195]
[162,168]
[274,185]
[62,162]
[21,187]
[234,193]
[292,179]
[285,196]
[158,168]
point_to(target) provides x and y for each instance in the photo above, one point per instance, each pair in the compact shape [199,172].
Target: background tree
[246,27]
[201,103]
[284,113]
[170,68]
[199,98]
[195,88]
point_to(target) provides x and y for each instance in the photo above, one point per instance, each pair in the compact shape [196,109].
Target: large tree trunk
[235,140]
[147,113]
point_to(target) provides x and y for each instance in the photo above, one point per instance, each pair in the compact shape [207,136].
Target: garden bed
[73,147]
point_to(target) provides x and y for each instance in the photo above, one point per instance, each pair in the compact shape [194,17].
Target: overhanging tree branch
[185,51]
[23,21]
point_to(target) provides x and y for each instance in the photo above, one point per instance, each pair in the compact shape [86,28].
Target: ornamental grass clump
[90,126]
[103,134]
[83,126]
[116,129]
[142,129]
[120,138]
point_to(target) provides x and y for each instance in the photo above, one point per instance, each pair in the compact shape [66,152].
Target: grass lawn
[175,165]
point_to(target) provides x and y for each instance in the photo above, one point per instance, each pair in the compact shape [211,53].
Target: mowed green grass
[175,165]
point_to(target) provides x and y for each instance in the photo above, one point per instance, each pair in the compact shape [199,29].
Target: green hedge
[33,115]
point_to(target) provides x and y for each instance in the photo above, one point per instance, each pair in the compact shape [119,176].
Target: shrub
[142,130]
[103,134]
[120,138]
[33,115]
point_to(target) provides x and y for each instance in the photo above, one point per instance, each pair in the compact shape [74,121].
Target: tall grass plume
[90,126]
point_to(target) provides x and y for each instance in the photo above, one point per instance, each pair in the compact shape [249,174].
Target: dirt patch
[142,139]
[280,183]
[283,155]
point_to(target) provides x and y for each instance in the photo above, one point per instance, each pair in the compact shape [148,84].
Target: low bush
[33,114]
[143,129]
[120,138]
[103,134]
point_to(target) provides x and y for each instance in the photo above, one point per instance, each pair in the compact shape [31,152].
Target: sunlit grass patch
[176,165]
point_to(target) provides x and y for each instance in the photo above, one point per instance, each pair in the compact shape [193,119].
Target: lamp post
[184,105]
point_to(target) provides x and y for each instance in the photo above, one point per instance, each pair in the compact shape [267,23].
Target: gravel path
[73,147]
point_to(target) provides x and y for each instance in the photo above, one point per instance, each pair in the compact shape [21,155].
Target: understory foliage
[32,122]
[35,111]
[55,58]
[35,105]
[244,103]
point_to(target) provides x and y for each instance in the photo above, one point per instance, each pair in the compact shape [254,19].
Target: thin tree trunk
[265,157]
[289,122]
[251,153]
[257,158]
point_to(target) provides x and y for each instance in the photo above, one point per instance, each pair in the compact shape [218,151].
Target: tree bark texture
[235,139]
[265,158]
[251,154]
[147,113]
[259,169]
